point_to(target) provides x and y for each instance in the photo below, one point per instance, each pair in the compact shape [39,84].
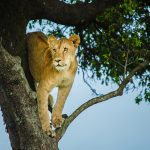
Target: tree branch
[118,92]
[69,14]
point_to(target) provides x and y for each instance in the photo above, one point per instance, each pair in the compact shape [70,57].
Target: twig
[93,90]
[117,62]
[125,65]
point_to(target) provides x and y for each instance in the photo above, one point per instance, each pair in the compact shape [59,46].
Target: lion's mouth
[60,67]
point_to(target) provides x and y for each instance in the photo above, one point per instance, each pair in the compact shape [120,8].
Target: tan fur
[45,53]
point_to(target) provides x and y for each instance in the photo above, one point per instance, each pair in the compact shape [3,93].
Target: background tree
[114,47]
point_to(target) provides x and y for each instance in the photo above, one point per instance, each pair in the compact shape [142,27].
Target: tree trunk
[18,104]
[19,107]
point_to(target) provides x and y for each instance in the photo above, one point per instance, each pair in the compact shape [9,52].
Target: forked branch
[118,92]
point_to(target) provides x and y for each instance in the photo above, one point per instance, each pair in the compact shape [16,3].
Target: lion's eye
[65,49]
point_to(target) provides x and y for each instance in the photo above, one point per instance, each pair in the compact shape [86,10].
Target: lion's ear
[51,38]
[75,40]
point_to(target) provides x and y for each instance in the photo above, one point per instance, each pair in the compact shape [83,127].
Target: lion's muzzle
[59,64]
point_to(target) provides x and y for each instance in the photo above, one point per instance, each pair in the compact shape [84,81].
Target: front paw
[57,121]
[49,132]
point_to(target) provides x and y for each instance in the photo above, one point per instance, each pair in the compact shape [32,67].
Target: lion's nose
[58,60]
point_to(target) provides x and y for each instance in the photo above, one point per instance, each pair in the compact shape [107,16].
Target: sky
[116,124]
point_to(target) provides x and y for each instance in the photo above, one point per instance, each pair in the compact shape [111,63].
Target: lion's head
[62,51]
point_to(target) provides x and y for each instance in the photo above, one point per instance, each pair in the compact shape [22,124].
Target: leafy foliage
[113,44]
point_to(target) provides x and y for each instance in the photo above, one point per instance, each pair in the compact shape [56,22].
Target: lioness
[52,64]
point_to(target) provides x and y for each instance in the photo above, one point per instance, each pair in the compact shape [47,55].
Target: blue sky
[116,124]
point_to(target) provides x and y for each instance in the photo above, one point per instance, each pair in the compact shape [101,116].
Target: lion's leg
[58,107]
[50,103]
[42,99]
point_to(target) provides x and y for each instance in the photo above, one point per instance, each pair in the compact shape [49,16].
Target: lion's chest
[64,79]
